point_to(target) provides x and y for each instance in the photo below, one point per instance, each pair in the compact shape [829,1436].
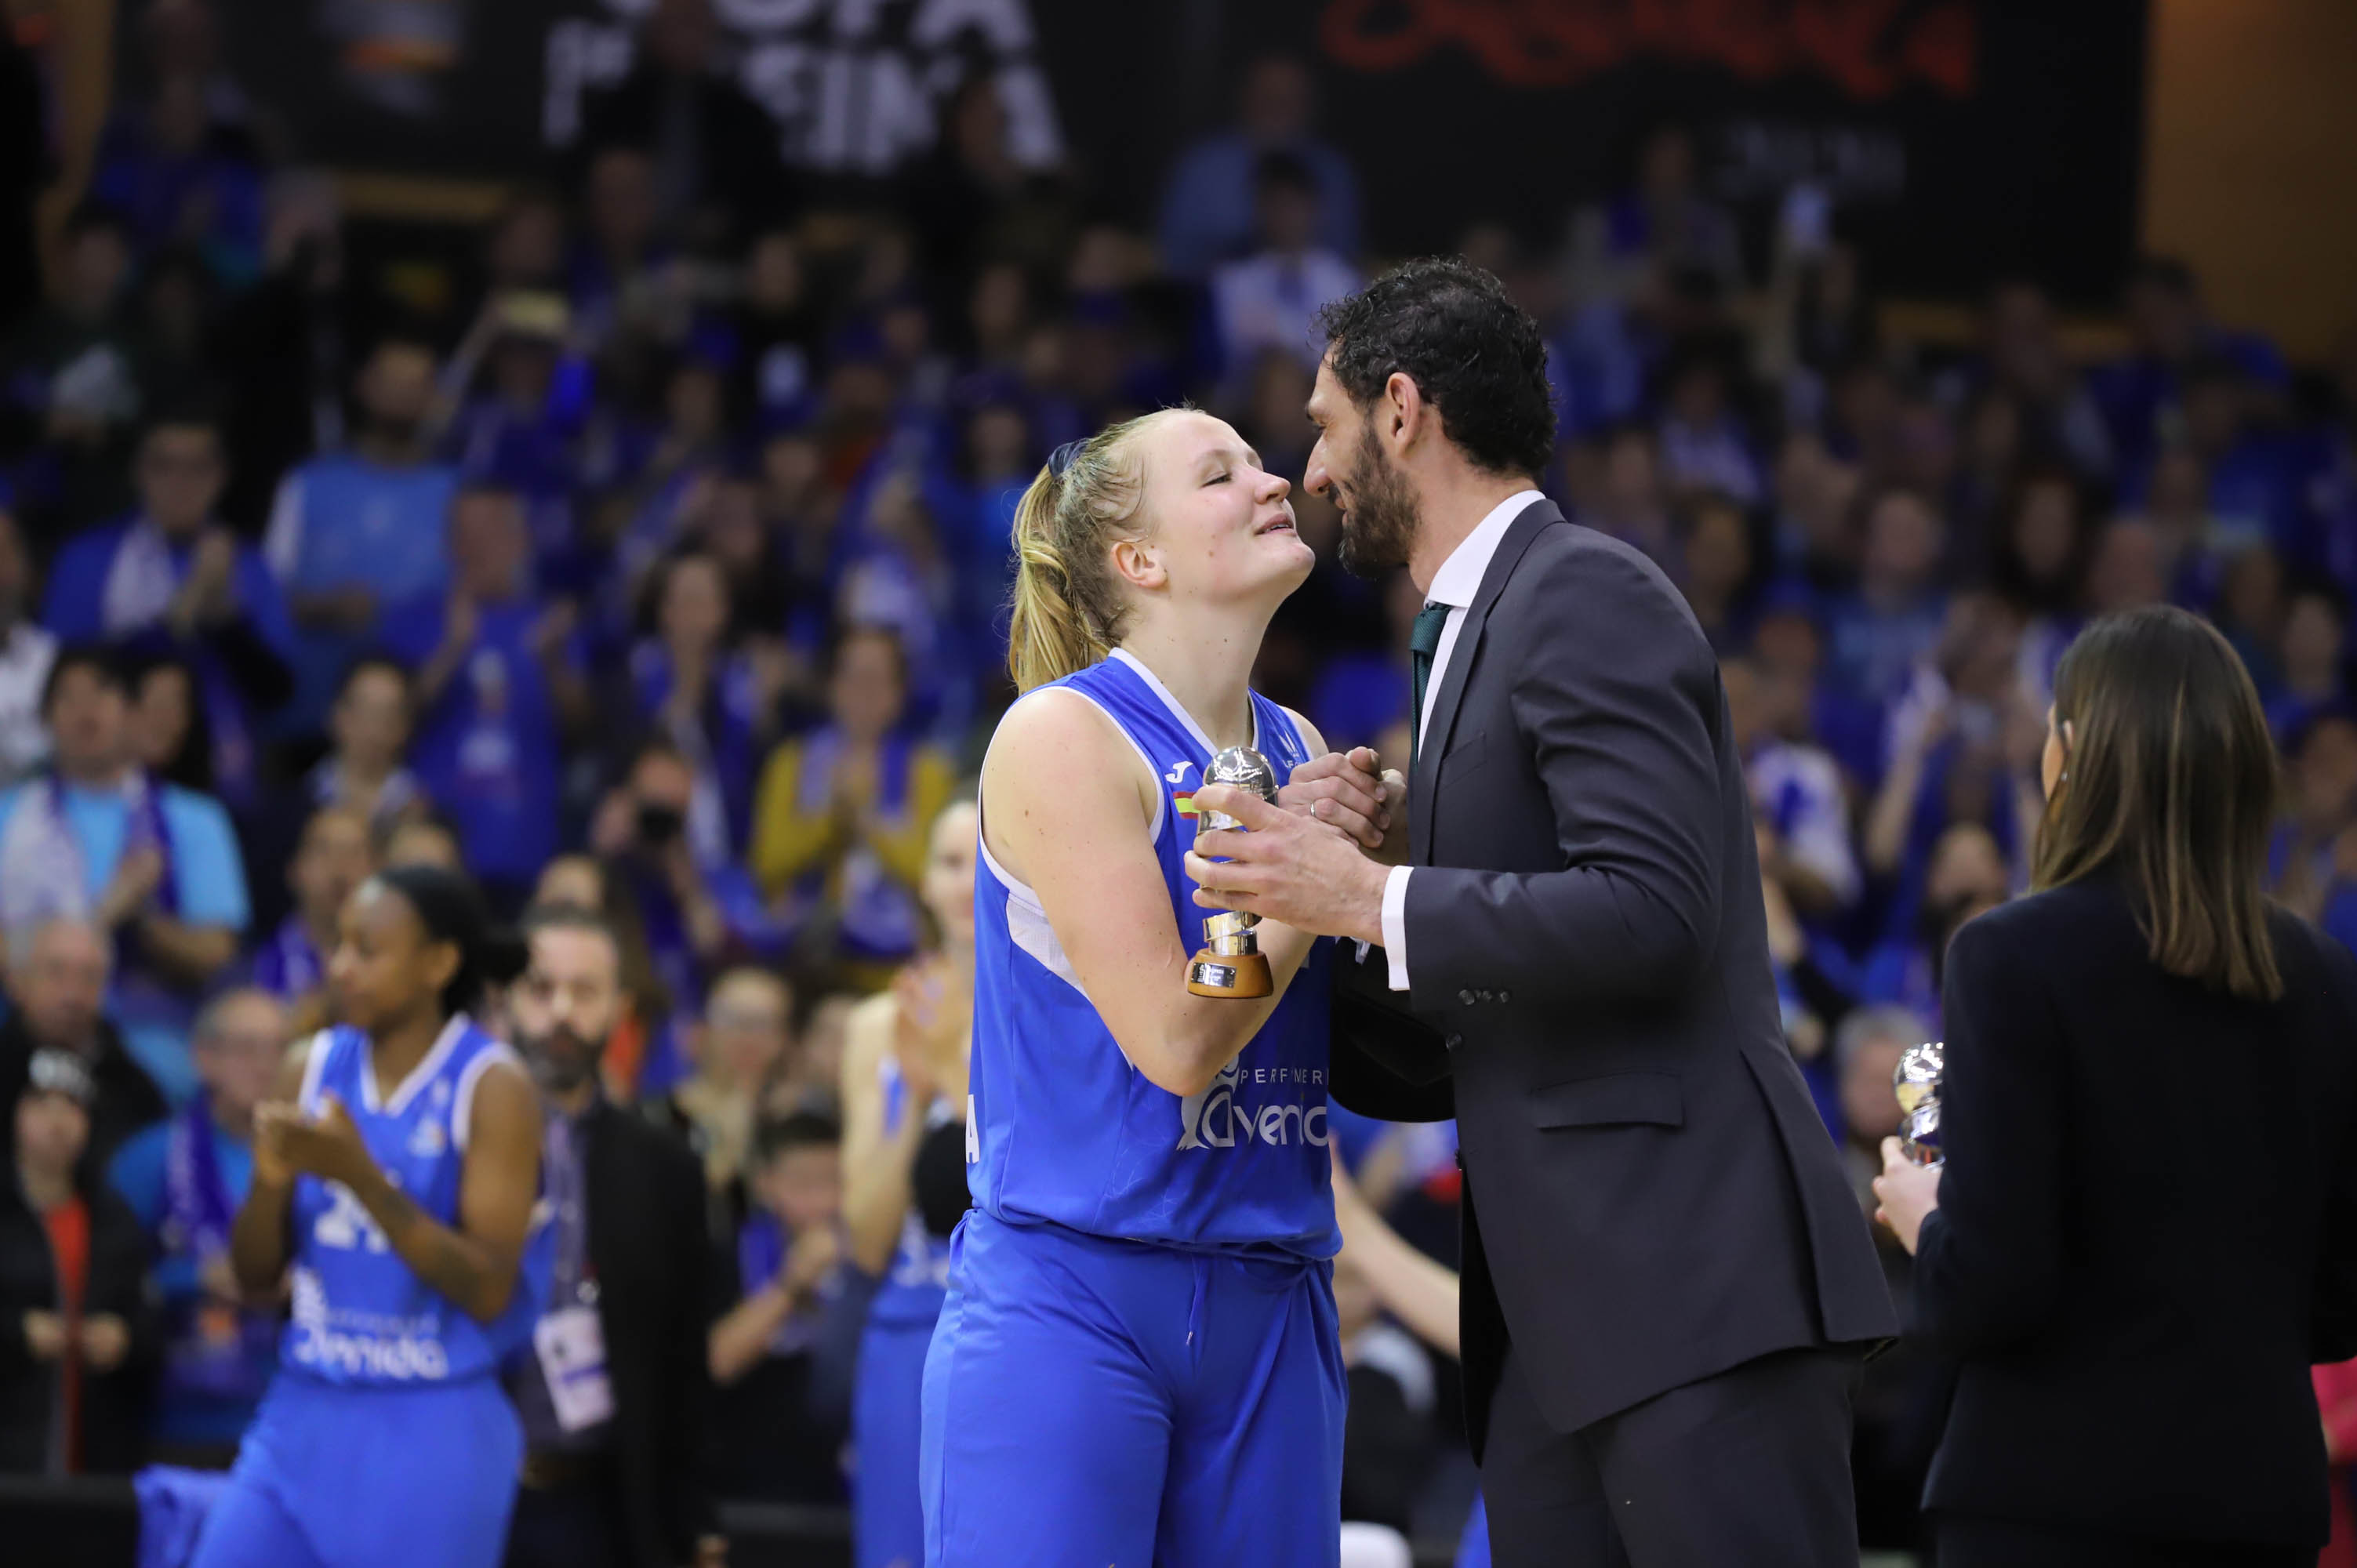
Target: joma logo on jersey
[1212,1120]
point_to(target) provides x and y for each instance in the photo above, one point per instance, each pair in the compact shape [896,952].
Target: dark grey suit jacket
[1650,1197]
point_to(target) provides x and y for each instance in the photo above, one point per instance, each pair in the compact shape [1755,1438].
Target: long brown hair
[2170,778]
[1068,610]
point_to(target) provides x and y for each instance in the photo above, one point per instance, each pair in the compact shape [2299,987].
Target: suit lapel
[1443,703]
[598,1194]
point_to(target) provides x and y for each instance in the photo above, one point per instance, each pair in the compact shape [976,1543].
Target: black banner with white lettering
[1961,136]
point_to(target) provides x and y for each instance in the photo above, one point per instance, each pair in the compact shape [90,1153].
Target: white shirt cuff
[1396,924]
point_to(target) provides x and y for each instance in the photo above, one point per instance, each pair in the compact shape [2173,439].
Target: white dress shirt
[1459,579]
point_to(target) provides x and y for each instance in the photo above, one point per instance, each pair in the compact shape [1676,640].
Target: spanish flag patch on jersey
[1184,801]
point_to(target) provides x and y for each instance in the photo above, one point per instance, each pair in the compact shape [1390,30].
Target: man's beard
[1379,514]
[566,1069]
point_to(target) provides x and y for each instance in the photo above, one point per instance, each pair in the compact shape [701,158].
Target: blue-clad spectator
[177,181]
[1208,206]
[1704,445]
[172,580]
[1797,796]
[77,381]
[781,1354]
[1270,299]
[184,1179]
[2253,494]
[700,913]
[357,532]
[2170,328]
[1876,634]
[976,510]
[1966,875]
[668,493]
[369,732]
[519,428]
[498,678]
[2329,494]
[2312,656]
[334,856]
[1939,782]
[615,277]
[153,866]
[1626,496]
[1362,693]
[2040,568]
[1660,224]
[2250,613]
[774,334]
[27,650]
[1715,568]
[717,702]
[2022,361]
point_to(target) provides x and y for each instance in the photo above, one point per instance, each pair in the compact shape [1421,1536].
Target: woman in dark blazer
[2146,1227]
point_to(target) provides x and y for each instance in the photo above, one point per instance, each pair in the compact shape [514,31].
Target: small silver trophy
[1916,1083]
[1231,964]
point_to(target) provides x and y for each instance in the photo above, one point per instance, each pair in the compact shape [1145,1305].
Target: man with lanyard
[613,1391]
[185,1178]
[156,868]
[173,579]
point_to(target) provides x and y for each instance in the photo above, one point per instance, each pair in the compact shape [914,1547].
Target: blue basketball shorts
[1128,1405]
[369,1477]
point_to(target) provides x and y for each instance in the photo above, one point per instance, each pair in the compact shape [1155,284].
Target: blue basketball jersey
[920,1269]
[1061,1127]
[360,1316]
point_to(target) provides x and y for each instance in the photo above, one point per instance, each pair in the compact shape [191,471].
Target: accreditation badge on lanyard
[570,1340]
[571,1343]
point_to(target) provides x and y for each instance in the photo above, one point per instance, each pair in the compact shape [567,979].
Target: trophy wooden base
[1240,977]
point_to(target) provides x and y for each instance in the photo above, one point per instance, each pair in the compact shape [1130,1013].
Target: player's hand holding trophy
[1231,964]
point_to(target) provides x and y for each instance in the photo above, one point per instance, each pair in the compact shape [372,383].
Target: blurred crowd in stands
[654,561]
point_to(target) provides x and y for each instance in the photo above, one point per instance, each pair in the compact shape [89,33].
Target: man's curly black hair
[1475,355]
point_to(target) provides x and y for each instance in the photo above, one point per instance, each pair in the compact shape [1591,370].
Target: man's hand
[209,594]
[1350,790]
[1286,867]
[105,1340]
[555,625]
[1908,1193]
[808,1262]
[460,623]
[136,876]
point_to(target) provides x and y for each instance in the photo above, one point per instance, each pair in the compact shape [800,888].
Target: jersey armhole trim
[315,1067]
[462,1103]
[1161,797]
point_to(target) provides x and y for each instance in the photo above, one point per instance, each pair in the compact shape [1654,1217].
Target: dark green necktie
[1423,643]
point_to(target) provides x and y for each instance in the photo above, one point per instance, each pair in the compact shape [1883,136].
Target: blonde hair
[1068,611]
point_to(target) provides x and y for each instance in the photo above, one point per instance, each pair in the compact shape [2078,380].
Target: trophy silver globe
[1230,963]
[1916,1083]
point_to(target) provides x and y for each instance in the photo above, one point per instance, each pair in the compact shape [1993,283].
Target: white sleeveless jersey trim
[315,1065]
[1177,710]
[1027,923]
[419,1076]
[1161,804]
[462,1105]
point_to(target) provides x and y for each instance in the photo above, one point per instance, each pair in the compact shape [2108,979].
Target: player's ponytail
[1068,611]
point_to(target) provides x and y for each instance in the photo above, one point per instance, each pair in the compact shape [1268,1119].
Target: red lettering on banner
[1866,48]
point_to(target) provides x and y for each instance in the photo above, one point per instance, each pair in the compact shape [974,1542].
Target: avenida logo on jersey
[1218,1118]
